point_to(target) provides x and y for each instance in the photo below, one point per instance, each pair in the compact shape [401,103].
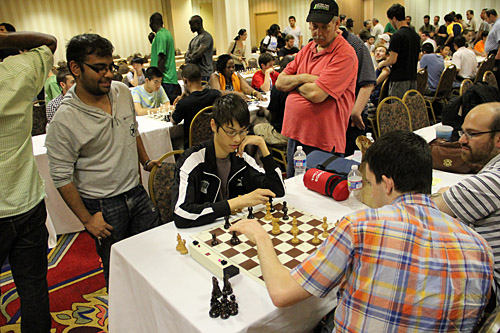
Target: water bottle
[299,161]
[355,184]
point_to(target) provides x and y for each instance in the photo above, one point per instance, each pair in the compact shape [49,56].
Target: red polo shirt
[323,125]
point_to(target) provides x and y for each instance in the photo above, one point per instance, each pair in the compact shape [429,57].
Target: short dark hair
[458,16]
[191,72]
[365,23]
[156,19]
[397,11]
[427,48]
[153,72]
[459,41]
[491,11]
[470,11]
[230,108]
[408,16]
[349,23]
[197,18]
[288,37]
[426,33]
[137,61]
[81,46]
[484,34]
[448,18]
[438,16]
[291,17]
[342,17]
[411,171]
[264,58]
[9,27]
[61,76]
[427,17]
[221,63]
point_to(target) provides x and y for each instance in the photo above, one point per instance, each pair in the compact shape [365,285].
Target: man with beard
[476,200]
[94,147]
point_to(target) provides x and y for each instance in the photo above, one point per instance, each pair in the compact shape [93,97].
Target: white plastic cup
[444,132]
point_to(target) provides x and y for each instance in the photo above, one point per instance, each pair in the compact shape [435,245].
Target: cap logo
[322,6]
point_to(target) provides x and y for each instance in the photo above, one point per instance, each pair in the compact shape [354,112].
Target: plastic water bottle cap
[299,147]
[354,167]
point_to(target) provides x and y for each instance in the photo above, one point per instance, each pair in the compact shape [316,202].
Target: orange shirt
[479,47]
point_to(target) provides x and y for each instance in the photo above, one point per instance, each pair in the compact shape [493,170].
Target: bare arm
[384,75]
[286,82]
[143,155]
[282,287]
[161,62]
[248,90]
[312,92]
[27,40]
[266,86]
[359,105]
[135,80]
[300,42]
[196,55]
[497,56]
[440,203]
[94,224]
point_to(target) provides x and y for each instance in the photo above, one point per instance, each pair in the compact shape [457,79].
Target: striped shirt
[21,79]
[402,267]
[476,201]
[53,106]
[149,100]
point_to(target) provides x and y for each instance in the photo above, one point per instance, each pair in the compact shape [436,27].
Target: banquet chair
[422,77]
[486,65]
[200,129]
[392,115]
[160,185]
[279,155]
[465,85]
[443,90]
[39,118]
[490,79]
[384,90]
[415,103]
[253,63]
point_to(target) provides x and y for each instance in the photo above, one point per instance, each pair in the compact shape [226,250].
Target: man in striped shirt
[405,266]
[476,200]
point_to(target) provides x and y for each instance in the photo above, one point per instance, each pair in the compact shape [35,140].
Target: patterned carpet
[78,298]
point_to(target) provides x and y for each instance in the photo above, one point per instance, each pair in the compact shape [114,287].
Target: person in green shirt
[389,29]
[52,88]
[163,56]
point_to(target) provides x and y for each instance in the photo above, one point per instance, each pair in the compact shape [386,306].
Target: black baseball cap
[323,11]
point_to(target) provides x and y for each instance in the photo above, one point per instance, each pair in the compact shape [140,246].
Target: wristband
[146,165]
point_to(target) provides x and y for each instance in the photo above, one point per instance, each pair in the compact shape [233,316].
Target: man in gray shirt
[201,48]
[94,147]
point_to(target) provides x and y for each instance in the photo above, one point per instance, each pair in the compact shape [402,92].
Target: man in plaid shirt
[403,266]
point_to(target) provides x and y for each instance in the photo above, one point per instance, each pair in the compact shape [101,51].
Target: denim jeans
[292,147]
[24,239]
[172,90]
[129,214]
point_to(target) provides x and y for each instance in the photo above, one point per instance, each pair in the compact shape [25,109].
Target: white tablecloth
[155,289]
[156,136]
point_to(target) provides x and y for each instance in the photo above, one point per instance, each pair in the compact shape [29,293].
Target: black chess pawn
[233,306]
[234,240]
[227,289]
[216,292]
[215,307]
[224,312]
[285,211]
[227,225]
[271,205]
[250,213]
[215,241]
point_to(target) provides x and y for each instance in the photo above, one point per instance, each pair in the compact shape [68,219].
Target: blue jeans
[24,239]
[292,147]
[172,90]
[129,213]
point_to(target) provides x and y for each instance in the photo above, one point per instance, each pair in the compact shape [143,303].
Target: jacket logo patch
[204,186]
[239,181]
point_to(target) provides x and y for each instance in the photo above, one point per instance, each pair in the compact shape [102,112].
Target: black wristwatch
[146,165]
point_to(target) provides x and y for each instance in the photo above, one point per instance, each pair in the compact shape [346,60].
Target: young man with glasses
[217,177]
[476,200]
[94,147]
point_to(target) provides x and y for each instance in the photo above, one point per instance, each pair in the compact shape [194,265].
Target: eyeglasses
[233,133]
[103,69]
[471,135]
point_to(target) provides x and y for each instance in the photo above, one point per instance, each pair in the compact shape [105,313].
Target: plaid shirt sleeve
[326,268]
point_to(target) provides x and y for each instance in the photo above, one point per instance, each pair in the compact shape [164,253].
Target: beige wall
[123,22]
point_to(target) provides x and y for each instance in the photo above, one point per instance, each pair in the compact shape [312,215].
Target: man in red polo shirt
[322,82]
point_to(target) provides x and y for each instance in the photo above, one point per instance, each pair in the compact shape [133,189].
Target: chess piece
[268,215]
[285,211]
[324,225]
[276,226]
[179,241]
[233,306]
[227,289]
[224,307]
[215,241]
[271,204]
[316,240]
[216,292]
[250,213]
[295,232]
[227,225]
[215,307]
[234,240]
[183,250]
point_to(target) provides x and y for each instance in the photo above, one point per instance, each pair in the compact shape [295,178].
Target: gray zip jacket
[93,149]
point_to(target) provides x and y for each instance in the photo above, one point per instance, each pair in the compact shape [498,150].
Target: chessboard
[244,255]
